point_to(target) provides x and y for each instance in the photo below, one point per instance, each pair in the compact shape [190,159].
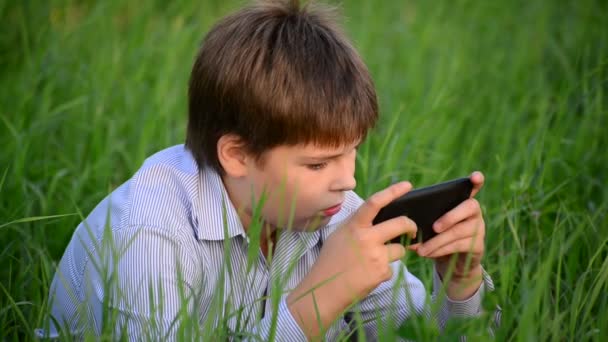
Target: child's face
[308,178]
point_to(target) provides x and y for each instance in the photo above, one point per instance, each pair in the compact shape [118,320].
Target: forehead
[313,150]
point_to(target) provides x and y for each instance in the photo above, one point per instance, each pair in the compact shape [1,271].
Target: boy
[278,102]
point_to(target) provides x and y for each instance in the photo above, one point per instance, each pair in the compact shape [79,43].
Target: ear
[232,155]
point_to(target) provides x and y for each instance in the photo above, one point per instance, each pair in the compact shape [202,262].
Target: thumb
[364,216]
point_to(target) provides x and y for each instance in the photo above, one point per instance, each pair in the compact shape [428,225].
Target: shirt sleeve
[470,307]
[404,295]
[280,327]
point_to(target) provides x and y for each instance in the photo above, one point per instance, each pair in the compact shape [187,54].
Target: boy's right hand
[353,261]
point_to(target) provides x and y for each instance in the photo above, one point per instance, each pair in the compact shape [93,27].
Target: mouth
[332,210]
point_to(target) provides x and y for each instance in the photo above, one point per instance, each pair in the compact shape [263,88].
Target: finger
[467,245]
[477,178]
[469,229]
[414,247]
[395,227]
[368,210]
[465,210]
[395,251]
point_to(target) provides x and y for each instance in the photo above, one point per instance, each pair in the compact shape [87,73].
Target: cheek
[279,192]
[310,198]
[296,189]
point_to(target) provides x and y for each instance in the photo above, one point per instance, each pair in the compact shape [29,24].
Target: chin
[309,224]
[316,223]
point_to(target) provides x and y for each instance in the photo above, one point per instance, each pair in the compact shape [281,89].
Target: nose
[349,182]
[345,179]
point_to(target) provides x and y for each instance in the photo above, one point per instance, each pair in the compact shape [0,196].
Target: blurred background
[516,89]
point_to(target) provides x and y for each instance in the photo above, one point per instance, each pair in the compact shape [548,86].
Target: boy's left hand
[462,232]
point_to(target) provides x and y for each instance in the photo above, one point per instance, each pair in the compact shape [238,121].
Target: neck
[267,233]
[268,239]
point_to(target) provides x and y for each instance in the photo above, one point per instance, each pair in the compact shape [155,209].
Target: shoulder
[157,195]
[152,210]
[175,161]
[162,192]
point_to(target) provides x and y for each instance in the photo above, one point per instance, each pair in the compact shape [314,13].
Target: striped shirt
[168,245]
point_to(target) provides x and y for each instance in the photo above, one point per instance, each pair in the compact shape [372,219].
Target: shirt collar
[217,218]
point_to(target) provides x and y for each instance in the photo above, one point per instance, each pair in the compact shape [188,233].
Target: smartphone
[425,205]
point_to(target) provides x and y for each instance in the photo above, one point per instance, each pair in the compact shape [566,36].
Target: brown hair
[278,73]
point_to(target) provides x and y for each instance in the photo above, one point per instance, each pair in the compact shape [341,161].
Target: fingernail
[421,251]
[437,227]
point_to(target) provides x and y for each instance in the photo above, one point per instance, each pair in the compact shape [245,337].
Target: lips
[332,210]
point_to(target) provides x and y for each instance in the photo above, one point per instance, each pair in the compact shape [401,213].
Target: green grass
[516,89]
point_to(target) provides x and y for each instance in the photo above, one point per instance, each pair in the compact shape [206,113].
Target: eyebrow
[322,157]
[328,156]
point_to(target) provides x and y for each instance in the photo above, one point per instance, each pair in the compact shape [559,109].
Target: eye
[316,167]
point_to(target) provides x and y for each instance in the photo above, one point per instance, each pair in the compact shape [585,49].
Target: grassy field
[516,89]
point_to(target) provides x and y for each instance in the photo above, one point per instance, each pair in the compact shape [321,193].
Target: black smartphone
[425,205]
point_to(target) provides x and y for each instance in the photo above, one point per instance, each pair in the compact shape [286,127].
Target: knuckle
[408,222]
[456,234]
[474,205]
[465,246]
[362,238]
[401,251]
[375,258]
[386,273]
[481,229]
[394,191]
[478,229]
[358,236]
[374,201]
